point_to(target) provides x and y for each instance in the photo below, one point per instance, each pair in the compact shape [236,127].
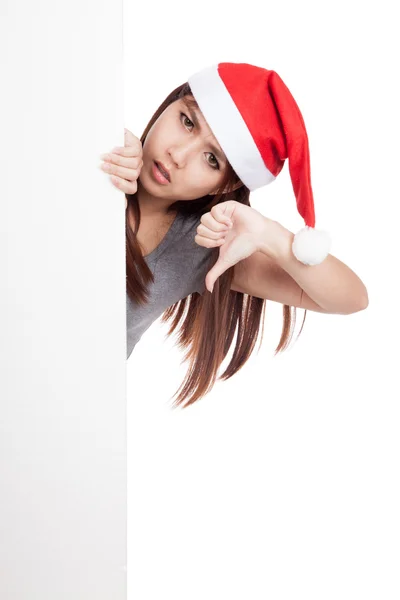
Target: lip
[158,176]
[164,169]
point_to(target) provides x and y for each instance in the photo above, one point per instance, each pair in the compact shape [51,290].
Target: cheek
[201,180]
[201,183]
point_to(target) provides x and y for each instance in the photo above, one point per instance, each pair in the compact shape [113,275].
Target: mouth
[163,170]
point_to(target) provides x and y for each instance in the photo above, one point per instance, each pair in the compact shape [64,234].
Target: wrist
[277,242]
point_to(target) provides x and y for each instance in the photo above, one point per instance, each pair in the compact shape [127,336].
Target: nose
[180,153]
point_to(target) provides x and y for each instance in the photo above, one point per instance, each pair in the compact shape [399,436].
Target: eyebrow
[195,120]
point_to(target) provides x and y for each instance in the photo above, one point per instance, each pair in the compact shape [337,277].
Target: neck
[150,206]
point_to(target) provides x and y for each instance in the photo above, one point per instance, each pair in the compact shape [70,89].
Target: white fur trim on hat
[229,128]
[311,246]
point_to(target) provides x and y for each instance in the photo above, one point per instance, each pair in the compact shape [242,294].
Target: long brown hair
[209,321]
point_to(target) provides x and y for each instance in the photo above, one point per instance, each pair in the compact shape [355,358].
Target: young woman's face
[185,149]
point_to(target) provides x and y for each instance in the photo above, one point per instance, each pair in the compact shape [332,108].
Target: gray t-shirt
[179,266]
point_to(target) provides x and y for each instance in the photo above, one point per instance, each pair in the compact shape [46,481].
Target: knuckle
[134,153]
[136,162]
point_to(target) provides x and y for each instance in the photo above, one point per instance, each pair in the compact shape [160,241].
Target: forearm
[331,284]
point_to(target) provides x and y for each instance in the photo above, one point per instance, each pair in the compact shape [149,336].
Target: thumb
[216,271]
[239,248]
[130,139]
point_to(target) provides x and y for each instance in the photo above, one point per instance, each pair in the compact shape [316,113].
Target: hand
[249,232]
[124,164]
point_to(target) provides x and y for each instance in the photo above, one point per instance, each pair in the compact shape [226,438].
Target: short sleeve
[201,288]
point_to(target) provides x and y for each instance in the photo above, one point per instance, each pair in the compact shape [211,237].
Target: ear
[235,187]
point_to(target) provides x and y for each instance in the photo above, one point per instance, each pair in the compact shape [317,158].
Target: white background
[283,482]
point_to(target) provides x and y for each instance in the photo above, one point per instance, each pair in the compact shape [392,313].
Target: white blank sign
[62,305]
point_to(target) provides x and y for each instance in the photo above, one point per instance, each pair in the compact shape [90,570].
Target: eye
[186,118]
[215,166]
[217,163]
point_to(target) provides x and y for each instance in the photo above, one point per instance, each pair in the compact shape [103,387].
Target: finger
[128,151]
[124,173]
[132,162]
[220,212]
[208,220]
[129,187]
[130,139]
[214,235]
[207,242]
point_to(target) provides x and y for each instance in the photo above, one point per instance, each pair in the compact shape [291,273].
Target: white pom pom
[311,246]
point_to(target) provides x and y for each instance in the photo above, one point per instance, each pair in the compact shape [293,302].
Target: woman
[190,226]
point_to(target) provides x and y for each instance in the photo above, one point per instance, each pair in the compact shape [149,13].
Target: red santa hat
[258,125]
